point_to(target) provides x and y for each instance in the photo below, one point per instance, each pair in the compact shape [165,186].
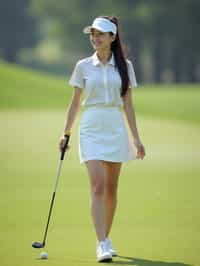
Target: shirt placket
[105,80]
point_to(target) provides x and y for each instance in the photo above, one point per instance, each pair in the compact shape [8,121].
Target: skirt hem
[107,160]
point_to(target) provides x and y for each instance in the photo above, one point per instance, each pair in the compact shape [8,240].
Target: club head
[38,245]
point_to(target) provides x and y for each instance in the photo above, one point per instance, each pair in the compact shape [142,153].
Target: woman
[106,79]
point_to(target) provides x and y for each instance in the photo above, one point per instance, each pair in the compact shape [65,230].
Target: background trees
[17,28]
[162,37]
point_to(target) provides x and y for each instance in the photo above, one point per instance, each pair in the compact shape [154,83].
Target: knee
[98,189]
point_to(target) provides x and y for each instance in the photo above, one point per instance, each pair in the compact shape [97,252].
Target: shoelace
[102,246]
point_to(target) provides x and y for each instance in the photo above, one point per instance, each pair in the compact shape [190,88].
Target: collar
[96,61]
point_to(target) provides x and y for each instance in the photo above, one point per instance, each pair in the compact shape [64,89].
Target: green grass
[157,221]
[22,88]
[158,214]
[177,102]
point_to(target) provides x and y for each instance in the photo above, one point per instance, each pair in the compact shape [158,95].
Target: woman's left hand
[140,149]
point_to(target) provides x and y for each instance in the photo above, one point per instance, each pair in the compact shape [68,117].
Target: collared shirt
[101,83]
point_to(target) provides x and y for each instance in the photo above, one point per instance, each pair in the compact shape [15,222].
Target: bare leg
[97,179]
[112,172]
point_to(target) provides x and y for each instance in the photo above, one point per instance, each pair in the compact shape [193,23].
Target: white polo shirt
[101,83]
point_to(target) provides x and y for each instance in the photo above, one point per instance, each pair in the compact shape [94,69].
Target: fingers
[140,153]
[62,144]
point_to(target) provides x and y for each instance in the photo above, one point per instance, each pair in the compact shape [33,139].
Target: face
[101,40]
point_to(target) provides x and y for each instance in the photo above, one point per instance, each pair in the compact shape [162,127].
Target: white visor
[103,25]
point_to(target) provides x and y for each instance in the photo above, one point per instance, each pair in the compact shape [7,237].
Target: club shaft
[52,200]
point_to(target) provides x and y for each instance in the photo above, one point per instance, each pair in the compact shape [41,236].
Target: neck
[104,55]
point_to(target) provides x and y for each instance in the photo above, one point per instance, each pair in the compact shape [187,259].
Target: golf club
[39,244]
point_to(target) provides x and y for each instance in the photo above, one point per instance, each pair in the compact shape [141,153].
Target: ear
[113,37]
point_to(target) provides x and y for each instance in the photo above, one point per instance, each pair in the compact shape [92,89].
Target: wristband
[67,133]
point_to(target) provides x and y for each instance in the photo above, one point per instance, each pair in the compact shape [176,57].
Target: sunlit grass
[157,220]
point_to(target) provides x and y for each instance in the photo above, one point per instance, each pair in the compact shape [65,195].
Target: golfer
[105,80]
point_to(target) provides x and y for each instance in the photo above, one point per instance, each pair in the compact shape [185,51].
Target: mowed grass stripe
[177,102]
[23,88]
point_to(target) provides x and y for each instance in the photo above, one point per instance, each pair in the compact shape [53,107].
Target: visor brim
[87,29]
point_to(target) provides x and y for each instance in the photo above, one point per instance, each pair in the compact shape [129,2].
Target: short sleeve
[131,73]
[76,79]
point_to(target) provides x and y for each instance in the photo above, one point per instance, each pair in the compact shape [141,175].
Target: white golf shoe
[103,253]
[110,247]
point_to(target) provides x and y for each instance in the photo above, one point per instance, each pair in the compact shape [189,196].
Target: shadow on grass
[123,260]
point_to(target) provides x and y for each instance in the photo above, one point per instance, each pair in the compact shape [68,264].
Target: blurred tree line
[18,28]
[162,37]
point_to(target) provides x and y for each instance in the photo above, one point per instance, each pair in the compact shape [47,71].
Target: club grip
[64,147]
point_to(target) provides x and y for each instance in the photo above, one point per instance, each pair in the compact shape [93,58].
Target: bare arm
[73,110]
[130,114]
[131,118]
[71,115]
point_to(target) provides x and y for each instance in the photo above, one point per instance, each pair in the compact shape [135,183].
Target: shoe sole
[105,259]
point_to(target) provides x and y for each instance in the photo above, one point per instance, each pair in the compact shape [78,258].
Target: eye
[96,34]
[93,34]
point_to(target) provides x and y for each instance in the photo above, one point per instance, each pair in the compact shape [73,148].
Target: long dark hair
[119,56]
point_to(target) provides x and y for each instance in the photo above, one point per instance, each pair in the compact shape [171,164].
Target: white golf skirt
[103,135]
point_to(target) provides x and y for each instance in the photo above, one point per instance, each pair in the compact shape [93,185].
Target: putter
[39,244]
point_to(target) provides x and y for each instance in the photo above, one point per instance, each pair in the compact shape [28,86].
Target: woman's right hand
[62,143]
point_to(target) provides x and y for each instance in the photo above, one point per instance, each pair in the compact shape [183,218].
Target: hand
[140,149]
[62,143]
